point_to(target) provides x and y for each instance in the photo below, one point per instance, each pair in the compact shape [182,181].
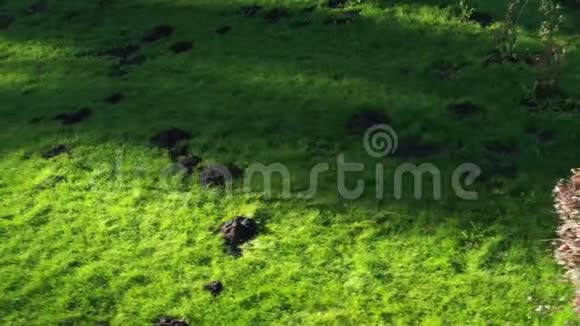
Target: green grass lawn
[110,234]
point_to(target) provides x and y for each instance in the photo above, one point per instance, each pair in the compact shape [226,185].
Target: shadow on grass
[261,91]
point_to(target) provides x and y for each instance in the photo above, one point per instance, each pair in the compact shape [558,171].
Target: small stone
[215,288]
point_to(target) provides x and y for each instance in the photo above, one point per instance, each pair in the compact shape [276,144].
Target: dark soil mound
[114,98]
[73,117]
[223,30]
[250,11]
[56,151]
[6,20]
[275,14]
[189,162]
[169,138]
[464,109]
[360,121]
[170,321]
[182,46]
[239,231]
[215,288]
[215,176]
[158,33]
[482,18]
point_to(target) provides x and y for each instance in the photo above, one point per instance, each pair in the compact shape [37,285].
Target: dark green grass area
[109,235]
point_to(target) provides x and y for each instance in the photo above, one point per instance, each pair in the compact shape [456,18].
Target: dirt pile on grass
[215,288]
[215,176]
[237,232]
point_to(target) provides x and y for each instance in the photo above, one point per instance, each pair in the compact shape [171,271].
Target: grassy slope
[118,242]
